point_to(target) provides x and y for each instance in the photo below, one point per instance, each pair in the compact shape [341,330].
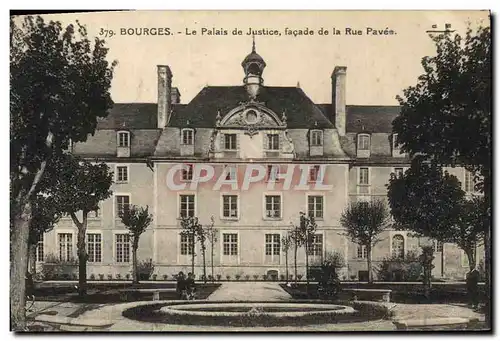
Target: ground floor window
[187,243]
[39,249]
[273,244]
[398,246]
[316,248]
[230,244]
[94,247]
[362,252]
[65,241]
[122,248]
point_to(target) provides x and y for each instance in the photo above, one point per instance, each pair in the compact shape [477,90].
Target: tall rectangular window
[230,172]
[230,206]
[187,136]
[122,174]
[187,244]
[316,138]
[39,249]
[363,176]
[362,252]
[122,248]
[469,182]
[187,205]
[187,172]
[316,247]
[122,204]
[364,142]
[94,247]
[123,139]
[65,246]
[230,244]
[272,244]
[273,142]
[230,141]
[315,206]
[273,206]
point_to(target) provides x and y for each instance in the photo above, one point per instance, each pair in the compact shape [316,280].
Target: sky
[379,67]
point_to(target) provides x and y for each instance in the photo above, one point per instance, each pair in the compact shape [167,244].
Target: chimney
[164,95]
[338,98]
[175,96]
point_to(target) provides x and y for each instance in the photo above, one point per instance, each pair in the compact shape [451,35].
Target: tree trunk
[295,261]
[82,253]
[471,259]
[204,265]
[307,266]
[18,267]
[212,258]
[135,275]
[369,262]
[487,246]
[192,254]
[32,259]
[286,265]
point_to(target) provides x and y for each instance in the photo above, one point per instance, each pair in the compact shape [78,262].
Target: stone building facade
[159,152]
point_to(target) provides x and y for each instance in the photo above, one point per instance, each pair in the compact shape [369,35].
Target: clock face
[251,116]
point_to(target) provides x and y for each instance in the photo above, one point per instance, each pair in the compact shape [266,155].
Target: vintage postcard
[250,171]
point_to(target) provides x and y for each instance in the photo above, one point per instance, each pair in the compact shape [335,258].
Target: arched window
[398,246]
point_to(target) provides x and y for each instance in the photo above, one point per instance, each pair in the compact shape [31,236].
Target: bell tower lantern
[253,66]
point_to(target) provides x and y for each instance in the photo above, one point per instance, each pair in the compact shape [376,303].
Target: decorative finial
[283,117]
[298,84]
[187,122]
[253,43]
[217,118]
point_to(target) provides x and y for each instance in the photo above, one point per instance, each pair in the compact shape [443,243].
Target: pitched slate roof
[202,111]
[373,118]
[131,116]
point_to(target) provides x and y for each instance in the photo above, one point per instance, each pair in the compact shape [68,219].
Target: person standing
[472,288]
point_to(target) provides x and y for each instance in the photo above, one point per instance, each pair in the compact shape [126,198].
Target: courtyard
[67,314]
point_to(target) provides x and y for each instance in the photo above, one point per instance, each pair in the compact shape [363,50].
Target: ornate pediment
[252,116]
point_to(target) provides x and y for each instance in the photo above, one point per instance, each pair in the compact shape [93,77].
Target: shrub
[155,276]
[174,276]
[353,277]
[219,277]
[101,277]
[118,276]
[299,276]
[127,276]
[290,277]
[237,276]
[165,277]
[228,277]
[282,277]
[203,278]
[92,277]
[54,268]
[397,269]
[264,277]
[210,278]
[255,277]
[110,277]
[247,277]
[145,269]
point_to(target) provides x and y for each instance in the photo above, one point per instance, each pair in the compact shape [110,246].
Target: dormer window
[187,137]
[124,139]
[316,138]
[396,149]
[363,144]
[123,143]
[230,141]
[273,142]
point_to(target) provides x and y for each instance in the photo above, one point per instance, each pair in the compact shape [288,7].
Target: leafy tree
[136,219]
[211,235]
[446,116]
[430,202]
[190,228]
[306,228]
[397,268]
[296,240]
[79,187]
[286,244]
[363,222]
[59,86]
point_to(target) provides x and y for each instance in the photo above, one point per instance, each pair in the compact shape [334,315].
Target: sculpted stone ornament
[283,119]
